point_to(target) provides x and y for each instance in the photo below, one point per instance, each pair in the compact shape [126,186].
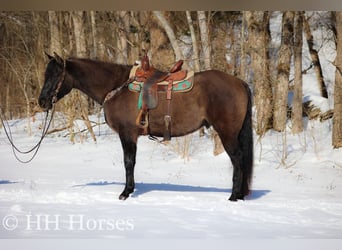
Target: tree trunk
[100,38]
[121,56]
[195,56]
[170,33]
[337,118]
[93,34]
[205,41]
[222,56]
[283,70]
[79,34]
[232,66]
[315,58]
[69,33]
[258,35]
[55,36]
[297,106]
[39,55]
[132,31]
[242,69]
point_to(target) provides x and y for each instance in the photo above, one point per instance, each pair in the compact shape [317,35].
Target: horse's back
[215,81]
[226,98]
[222,90]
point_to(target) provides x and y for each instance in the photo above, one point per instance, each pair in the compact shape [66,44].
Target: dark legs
[240,186]
[240,175]
[129,149]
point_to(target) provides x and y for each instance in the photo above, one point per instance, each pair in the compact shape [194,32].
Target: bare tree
[195,56]
[94,53]
[79,33]
[55,36]
[205,41]
[121,24]
[258,36]
[337,118]
[283,70]
[297,106]
[38,22]
[170,33]
[315,58]
[242,68]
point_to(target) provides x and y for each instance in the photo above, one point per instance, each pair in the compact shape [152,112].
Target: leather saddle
[151,79]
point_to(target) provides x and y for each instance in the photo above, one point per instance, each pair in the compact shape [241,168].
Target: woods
[337,119]
[275,65]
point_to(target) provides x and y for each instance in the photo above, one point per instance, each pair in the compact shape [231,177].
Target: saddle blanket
[177,86]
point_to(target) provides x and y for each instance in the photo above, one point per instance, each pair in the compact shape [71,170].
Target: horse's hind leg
[232,146]
[239,183]
[129,146]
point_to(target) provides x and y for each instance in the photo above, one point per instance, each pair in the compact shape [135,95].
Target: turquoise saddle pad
[181,86]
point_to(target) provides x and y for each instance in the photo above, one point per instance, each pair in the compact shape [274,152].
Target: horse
[216,99]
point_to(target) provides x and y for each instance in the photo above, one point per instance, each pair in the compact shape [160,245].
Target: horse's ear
[50,57]
[58,58]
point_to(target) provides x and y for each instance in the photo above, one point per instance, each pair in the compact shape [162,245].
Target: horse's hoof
[234,197]
[123,197]
[231,198]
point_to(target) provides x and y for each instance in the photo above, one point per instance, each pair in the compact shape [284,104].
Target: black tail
[246,144]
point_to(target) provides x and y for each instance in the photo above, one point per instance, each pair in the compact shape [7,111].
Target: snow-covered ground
[71,190]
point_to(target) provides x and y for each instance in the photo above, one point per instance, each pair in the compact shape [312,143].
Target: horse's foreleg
[129,149]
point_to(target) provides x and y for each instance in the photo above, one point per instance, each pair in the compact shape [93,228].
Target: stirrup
[167,131]
[142,123]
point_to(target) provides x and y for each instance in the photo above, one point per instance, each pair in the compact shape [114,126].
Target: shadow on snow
[142,188]
[7,182]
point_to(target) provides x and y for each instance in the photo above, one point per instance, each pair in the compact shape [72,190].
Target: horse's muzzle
[45,103]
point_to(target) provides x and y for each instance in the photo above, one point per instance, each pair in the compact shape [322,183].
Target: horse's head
[55,86]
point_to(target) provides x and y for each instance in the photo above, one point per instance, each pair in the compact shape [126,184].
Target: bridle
[46,126]
[59,85]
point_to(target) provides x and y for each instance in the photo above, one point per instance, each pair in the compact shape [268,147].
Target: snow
[71,190]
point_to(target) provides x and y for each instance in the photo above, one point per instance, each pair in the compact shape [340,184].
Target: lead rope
[15,149]
[45,129]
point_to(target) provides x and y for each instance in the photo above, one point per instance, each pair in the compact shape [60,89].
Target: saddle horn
[145,63]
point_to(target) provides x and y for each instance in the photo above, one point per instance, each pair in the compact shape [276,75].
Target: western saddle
[149,77]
